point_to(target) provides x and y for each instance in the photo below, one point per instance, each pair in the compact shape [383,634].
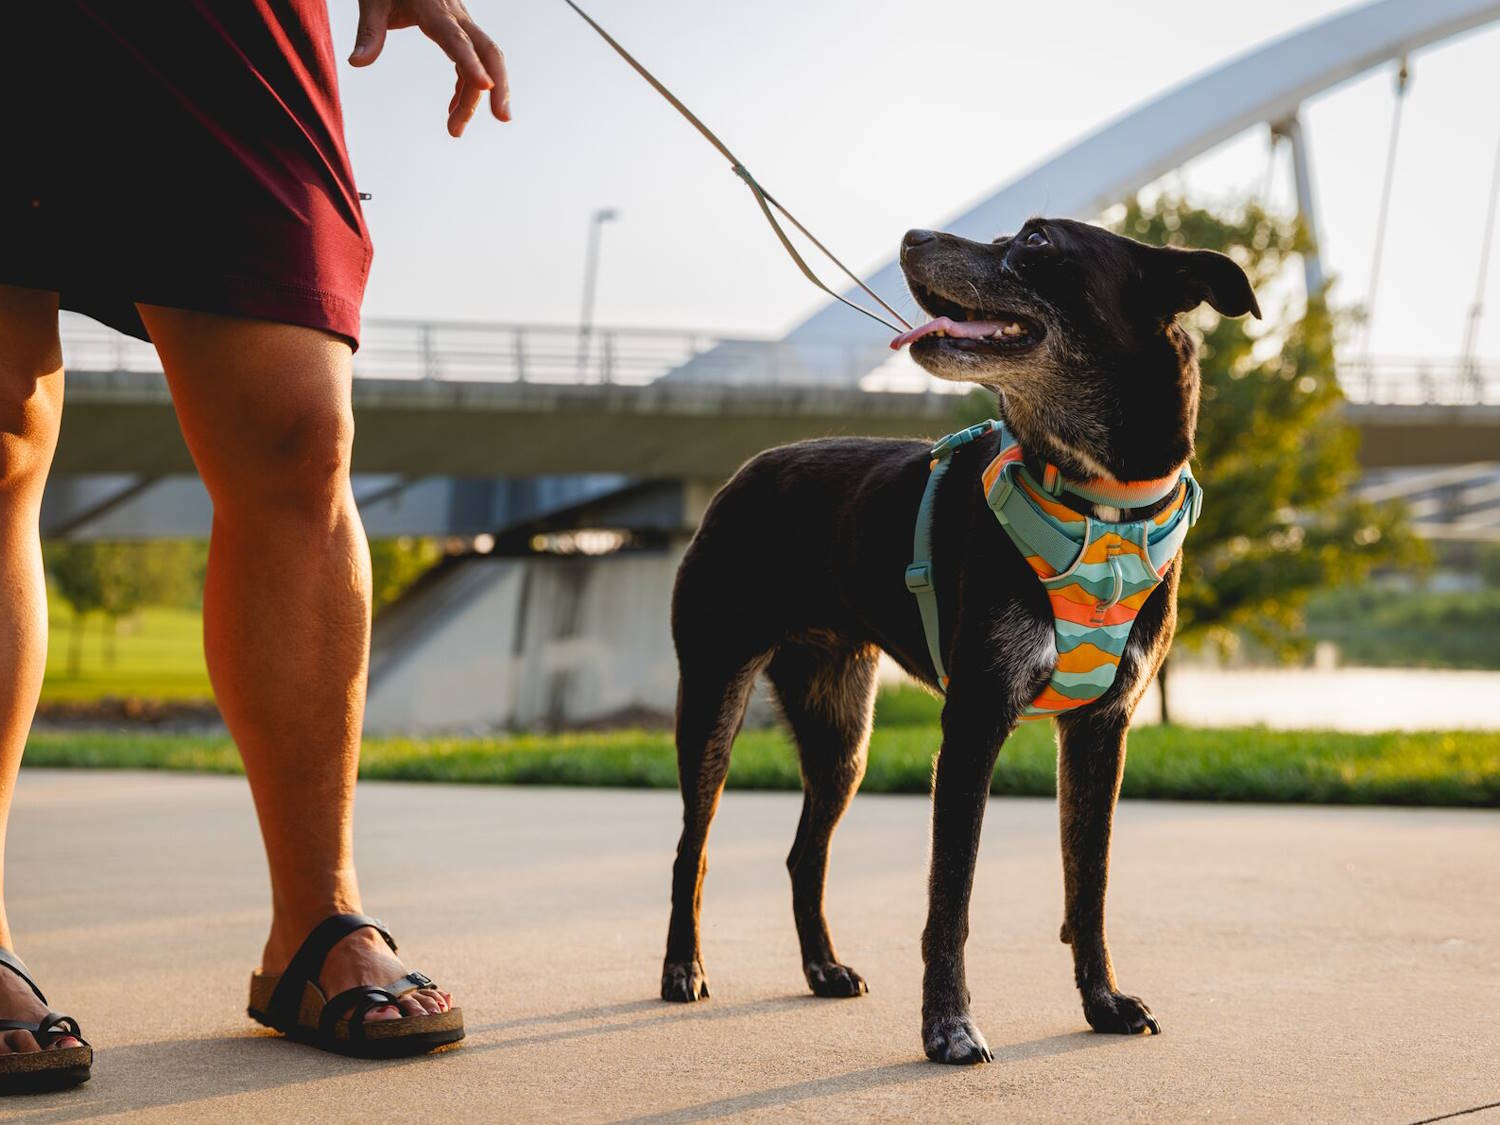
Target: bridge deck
[122,422]
[461,399]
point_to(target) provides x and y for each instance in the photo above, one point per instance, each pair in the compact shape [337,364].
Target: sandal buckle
[422,980]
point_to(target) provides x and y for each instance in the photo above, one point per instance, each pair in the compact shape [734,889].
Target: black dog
[799,570]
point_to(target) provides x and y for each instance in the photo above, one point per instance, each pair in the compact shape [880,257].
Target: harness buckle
[947,445]
[919,577]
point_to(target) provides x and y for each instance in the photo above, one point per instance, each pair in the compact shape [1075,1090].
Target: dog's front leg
[1090,764]
[961,785]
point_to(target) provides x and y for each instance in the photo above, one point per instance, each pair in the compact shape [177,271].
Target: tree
[116,579]
[1276,459]
[76,580]
[396,563]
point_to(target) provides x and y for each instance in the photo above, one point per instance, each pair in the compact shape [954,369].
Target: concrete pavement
[1306,964]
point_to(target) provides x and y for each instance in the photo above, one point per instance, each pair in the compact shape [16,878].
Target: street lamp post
[590,283]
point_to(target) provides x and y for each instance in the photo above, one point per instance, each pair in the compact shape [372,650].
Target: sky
[867,117]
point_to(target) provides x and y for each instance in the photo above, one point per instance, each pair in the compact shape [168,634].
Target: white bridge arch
[1265,86]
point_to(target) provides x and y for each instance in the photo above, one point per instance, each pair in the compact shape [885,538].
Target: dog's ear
[1180,280]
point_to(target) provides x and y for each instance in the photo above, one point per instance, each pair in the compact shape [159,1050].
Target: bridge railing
[551,354]
[1403,381]
[522,353]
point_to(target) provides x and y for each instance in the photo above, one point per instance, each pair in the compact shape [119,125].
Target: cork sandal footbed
[50,1068]
[382,1038]
[36,1071]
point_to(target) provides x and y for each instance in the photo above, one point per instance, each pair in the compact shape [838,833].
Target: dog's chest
[1024,655]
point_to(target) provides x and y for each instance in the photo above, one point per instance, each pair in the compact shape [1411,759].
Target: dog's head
[1076,328]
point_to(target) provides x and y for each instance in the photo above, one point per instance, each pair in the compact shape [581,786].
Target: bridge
[485,401]
[434,399]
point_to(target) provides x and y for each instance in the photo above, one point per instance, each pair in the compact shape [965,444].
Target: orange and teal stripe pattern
[1097,576]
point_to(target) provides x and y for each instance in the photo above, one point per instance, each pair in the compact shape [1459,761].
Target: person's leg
[31,390]
[265,410]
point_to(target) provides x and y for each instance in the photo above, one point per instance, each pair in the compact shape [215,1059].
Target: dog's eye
[1035,238]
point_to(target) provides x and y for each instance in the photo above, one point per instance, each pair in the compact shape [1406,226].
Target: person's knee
[30,394]
[295,462]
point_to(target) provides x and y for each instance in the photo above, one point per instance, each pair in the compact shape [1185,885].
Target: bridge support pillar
[1307,205]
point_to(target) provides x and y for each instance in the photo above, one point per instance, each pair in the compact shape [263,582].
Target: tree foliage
[117,578]
[396,563]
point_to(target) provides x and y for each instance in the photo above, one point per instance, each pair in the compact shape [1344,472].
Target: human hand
[479,63]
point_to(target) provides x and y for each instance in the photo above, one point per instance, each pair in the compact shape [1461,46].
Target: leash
[764,198]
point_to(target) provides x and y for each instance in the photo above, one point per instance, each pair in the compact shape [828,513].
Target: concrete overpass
[493,420]
[122,422]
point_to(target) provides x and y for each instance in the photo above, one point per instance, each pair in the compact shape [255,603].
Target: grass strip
[1449,768]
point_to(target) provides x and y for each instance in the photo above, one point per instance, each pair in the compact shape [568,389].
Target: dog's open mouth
[965,329]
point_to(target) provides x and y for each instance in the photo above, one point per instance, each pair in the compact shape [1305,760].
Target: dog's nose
[916,238]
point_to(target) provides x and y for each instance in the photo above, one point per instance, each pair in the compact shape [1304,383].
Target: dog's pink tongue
[963,329]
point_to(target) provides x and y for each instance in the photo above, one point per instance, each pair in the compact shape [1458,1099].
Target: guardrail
[1401,381]
[524,353]
[552,354]
[528,353]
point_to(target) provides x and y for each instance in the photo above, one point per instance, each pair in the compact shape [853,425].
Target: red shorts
[187,153]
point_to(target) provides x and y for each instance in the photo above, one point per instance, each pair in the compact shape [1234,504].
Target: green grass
[1252,764]
[158,655]
[1384,628]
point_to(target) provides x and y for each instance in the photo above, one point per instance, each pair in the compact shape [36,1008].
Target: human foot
[360,958]
[336,992]
[19,1002]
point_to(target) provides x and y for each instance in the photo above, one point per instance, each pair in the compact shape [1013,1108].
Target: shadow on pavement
[599,1012]
[856,1081]
[182,1072]
[666,1013]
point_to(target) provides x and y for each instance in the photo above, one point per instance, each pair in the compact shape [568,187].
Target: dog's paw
[1114,1013]
[955,1039]
[829,978]
[684,982]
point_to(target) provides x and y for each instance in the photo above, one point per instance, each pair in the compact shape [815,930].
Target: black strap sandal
[292,1003]
[35,1071]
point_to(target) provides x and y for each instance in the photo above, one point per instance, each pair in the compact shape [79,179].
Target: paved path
[1307,965]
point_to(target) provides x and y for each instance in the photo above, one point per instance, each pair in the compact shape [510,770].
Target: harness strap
[1161,551]
[919,573]
[1110,573]
[1029,527]
[762,197]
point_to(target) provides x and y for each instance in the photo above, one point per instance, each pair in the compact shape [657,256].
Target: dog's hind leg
[1090,763]
[828,697]
[710,710]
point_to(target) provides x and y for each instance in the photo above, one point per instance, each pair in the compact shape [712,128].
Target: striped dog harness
[1097,574]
